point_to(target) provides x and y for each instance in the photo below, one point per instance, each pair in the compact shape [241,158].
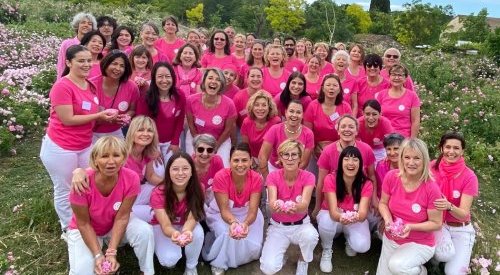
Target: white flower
[490,157]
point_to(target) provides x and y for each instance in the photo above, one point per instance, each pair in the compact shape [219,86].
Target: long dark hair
[339,98]
[70,54]
[112,56]
[250,58]
[448,135]
[116,34]
[194,193]
[286,96]
[359,180]
[211,45]
[88,36]
[153,94]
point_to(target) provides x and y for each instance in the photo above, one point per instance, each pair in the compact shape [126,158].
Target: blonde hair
[137,123]
[288,145]
[273,110]
[356,122]
[242,36]
[274,46]
[321,44]
[104,145]
[421,148]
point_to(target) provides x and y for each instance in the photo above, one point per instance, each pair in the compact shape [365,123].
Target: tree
[475,28]
[285,16]
[195,15]
[251,17]
[325,16]
[361,17]
[382,23]
[380,6]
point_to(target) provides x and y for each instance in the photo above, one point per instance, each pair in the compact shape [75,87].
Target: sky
[460,7]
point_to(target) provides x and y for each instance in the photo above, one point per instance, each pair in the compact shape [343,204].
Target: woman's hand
[107,116]
[97,264]
[175,237]
[406,232]
[442,204]
[238,235]
[114,264]
[79,181]
[315,211]
[188,237]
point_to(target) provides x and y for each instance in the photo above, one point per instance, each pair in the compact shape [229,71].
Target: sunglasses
[395,56]
[219,39]
[209,150]
[372,65]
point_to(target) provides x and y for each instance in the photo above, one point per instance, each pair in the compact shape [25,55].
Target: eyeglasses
[289,156]
[398,75]
[394,56]
[373,65]
[209,150]
[219,39]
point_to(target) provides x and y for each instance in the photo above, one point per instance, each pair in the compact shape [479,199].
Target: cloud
[397,8]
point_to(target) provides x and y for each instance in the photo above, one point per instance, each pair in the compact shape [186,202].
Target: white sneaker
[349,251]
[64,236]
[326,261]
[301,268]
[217,270]
[190,271]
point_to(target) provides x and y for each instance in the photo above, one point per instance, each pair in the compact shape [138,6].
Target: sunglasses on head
[209,150]
[395,56]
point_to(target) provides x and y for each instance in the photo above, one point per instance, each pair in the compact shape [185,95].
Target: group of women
[162,149]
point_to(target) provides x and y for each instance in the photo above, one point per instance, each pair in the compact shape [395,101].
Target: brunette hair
[219,73]
[447,136]
[392,139]
[177,59]
[116,34]
[250,58]
[103,19]
[173,20]
[286,96]
[373,59]
[359,179]
[70,54]
[361,50]
[88,36]
[241,146]
[374,104]
[138,51]
[339,98]
[112,56]
[211,45]
[153,94]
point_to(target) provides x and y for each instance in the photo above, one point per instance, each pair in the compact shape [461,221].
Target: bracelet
[451,207]
[234,221]
[111,252]
[97,256]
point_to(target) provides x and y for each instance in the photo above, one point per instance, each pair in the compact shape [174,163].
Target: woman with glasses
[206,162]
[219,52]
[373,83]
[170,44]
[401,105]
[392,56]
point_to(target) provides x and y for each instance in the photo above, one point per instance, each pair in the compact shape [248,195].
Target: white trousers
[380,154]
[60,164]
[138,234]
[141,207]
[407,259]
[454,247]
[223,151]
[357,234]
[169,253]
[279,237]
[118,133]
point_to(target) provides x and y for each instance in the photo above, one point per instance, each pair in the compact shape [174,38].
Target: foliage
[252,18]
[475,28]
[195,15]
[323,17]
[10,13]
[382,23]
[493,45]
[285,16]
[361,17]
[380,6]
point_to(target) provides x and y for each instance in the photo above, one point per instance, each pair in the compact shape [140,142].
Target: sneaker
[217,270]
[190,271]
[326,261]
[349,251]
[64,236]
[301,268]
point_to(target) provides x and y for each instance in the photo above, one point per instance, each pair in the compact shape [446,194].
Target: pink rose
[106,266]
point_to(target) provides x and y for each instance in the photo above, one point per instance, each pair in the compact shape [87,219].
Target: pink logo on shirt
[416,208]
[282,85]
[346,90]
[294,69]
[401,108]
[217,120]
[298,199]
[456,194]
[123,106]
[117,205]
[96,100]
[210,182]
[193,85]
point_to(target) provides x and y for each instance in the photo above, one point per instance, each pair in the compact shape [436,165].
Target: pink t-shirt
[95,71]
[83,102]
[139,167]
[274,85]
[327,69]
[398,110]
[169,120]
[350,87]
[256,136]
[294,65]
[223,183]
[187,80]
[136,76]
[290,193]
[169,49]
[158,202]
[276,135]
[159,57]
[411,207]
[215,166]
[210,121]
[361,73]
[61,56]
[329,159]
[102,209]
[305,100]
[374,136]
[408,83]
[209,60]
[330,186]
[367,92]
[323,125]
[231,91]
[464,183]
[383,167]
[127,95]
[313,88]
[240,100]
[240,62]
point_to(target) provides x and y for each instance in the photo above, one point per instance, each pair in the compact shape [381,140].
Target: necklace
[292,132]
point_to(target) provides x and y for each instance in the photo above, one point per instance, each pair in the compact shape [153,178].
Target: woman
[73,113]
[207,163]
[290,189]
[123,39]
[149,36]
[178,209]
[94,41]
[373,83]
[459,186]
[219,52]
[300,51]
[115,91]
[392,56]
[231,75]
[401,105]
[290,128]
[254,80]
[313,79]
[254,59]
[345,208]
[295,89]
[239,50]
[349,85]
[210,112]
[262,115]
[356,57]
[235,221]
[409,216]
[193,37]
[186,65]
[106,26]
[141,63]
[81,24]
[347,127]
[169,44]
[250,39]
[321,49]
[275,75]
[373,128]
[112,192]
[165,105]
[309,47]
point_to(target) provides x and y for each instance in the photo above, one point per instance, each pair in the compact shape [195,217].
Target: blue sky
[461,7]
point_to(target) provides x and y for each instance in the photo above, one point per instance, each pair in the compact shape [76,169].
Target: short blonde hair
[242,36]
[274,46]
[321,44]
[137,123]
[288,145]
[273,110]
[421,148]
[106,144]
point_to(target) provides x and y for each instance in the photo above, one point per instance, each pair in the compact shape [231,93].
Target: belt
[457,224]
[301,221]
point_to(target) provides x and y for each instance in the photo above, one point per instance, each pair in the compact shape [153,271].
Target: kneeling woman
[234,218]
[345,207]
[103,214]
[178,206]
[290,190]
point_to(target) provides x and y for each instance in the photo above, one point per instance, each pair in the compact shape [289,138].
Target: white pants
[141,207]
[118,133]
[380,154]
[357,234]
[60,164]
[405,259]
[454,247]
[138,234]
[278,240]
[271,167]
[223,151]
[373,220]
[224,251]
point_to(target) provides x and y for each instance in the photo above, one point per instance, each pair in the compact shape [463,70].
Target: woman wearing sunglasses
[206,162]
[373,83]
[392,56]
[219,52]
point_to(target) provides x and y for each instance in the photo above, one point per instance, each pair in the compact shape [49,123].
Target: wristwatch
[451,207]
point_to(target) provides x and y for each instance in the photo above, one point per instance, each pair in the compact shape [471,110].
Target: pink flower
[12,128]
[287,206]
[350,216]
[484,262]
[238,230]
[106,266]
[396,227]
[5,92]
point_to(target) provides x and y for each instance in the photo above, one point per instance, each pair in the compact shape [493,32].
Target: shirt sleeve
[157,200]
[309,139]
[330,184]
[434,193]
[309,178]
[367,190]
[272,179]
[220,182]
[257,182]
[133,184]
[231,109]
[323,162]
[179,119]
[309,114]
[388,182]
[471,184]
[61,94]
[415,100]
[271,134]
